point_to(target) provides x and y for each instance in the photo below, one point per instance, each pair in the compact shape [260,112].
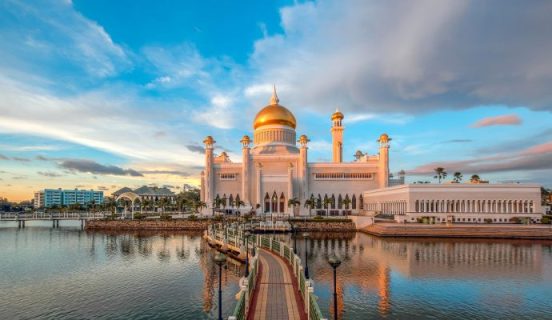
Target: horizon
[101,95]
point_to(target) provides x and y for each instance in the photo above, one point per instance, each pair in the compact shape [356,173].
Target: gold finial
[274,99]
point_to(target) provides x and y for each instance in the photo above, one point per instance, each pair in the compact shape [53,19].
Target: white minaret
[383,163]
[245,141]
[337,136]
[209,174]
[302,170]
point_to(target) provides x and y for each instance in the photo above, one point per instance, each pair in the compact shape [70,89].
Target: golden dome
[384,138]
[337,115]
[274,114]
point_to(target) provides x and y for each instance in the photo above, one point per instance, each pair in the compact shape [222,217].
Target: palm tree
[440,174]
[327,202]
[293,202]
[346,202]
[239,203]
[198,205]
[457,177]
[163,203]
[310,203]
[475,178]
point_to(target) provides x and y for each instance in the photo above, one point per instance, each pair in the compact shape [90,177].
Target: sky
[105,94]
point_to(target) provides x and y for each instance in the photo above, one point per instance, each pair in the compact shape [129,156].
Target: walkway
[276,296]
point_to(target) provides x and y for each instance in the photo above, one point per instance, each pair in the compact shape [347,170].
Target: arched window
[274,202]
[319,202]
[339,202]
[231,201]
[325,203]
[353,202]
[333,201]
[347,202]
[361,202]
[224,200]
[217,201]
[266,203]
[282,203]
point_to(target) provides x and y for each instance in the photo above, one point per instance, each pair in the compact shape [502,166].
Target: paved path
[276,296]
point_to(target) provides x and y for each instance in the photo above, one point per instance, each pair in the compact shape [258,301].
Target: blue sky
[104,94]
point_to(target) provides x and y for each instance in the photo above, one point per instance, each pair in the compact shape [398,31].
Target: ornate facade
[274,169]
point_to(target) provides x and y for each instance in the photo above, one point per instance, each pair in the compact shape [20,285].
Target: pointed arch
[347,201]
[282,203]
[266,203]
[360,202]
[339,202]
[319,202]
[332,199]
[231,201]
[353,202]
[274,207]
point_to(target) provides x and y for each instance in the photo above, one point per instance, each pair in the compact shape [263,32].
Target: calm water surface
[66,273]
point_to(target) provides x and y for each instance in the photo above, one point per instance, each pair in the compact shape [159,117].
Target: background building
[470,203]
[145,193]
[48,198]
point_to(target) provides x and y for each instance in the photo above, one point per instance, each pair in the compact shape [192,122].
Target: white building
[274,168]
[470,203]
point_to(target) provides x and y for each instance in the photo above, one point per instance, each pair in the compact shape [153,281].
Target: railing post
[308,291]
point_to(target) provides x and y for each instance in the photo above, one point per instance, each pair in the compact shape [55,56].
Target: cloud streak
[88,166]
[502,120]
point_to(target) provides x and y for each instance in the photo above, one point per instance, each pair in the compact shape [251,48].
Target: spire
[274,99]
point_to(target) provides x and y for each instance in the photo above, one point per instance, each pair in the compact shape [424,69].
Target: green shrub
[165,217]
[545,220]
[318,218]
[420,220]
[193,217]
[217,218]
[515,220]
[488,220]
[139,216]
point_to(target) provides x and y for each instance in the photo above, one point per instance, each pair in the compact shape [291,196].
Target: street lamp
[247,234]
[334,262]
[220,260]
[306,237]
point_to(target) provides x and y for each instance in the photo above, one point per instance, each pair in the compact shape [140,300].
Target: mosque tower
[337,136]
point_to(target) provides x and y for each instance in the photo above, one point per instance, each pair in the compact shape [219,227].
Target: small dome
[384,138]
[337,115]
[274,114]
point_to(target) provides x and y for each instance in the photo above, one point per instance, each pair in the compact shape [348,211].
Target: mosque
[276,177]
[275,168]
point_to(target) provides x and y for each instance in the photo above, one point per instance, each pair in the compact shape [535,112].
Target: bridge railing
[52,215]
[306,287]
[235,235]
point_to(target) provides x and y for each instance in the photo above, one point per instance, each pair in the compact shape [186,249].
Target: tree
[440,174]
[293,202]
[327,202]
[346,202]
[163,202]
[198,205]
[475,179]
[457,177]
[239,203]
[310,203]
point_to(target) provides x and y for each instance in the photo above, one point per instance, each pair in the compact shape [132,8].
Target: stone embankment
[461,231]
[168,225]
[344,225]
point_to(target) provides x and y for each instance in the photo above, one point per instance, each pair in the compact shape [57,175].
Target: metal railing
[50,216]
[234,234]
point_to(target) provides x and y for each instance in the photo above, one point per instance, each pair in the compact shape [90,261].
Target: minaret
[383,163]
[302,170]
[337,136]
[209,174]
[245,141]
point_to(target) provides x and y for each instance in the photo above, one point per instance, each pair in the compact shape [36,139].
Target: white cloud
[410,56]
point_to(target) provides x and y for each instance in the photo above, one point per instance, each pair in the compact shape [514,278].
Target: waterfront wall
[177,225]
[345,225]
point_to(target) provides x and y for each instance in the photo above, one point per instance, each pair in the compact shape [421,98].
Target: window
[228,176]
[343,176]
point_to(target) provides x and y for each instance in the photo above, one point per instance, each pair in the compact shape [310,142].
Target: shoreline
[460,231]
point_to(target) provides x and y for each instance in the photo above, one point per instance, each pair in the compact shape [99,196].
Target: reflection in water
[173,276]
[110,275]
[431,278]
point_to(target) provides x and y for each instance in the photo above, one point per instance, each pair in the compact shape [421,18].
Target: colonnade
[390,207]
[475,206]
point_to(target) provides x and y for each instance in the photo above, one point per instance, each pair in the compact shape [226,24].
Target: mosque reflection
[369,261]
[171,248]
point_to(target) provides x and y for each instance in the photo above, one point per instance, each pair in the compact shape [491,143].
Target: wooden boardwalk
[276,295]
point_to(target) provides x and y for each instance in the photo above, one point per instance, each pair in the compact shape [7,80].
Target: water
[66,273]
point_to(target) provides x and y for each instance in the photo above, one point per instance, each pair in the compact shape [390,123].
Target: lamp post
[220,260]
[306,237]
[335,262]
[247,234]
[294,238]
